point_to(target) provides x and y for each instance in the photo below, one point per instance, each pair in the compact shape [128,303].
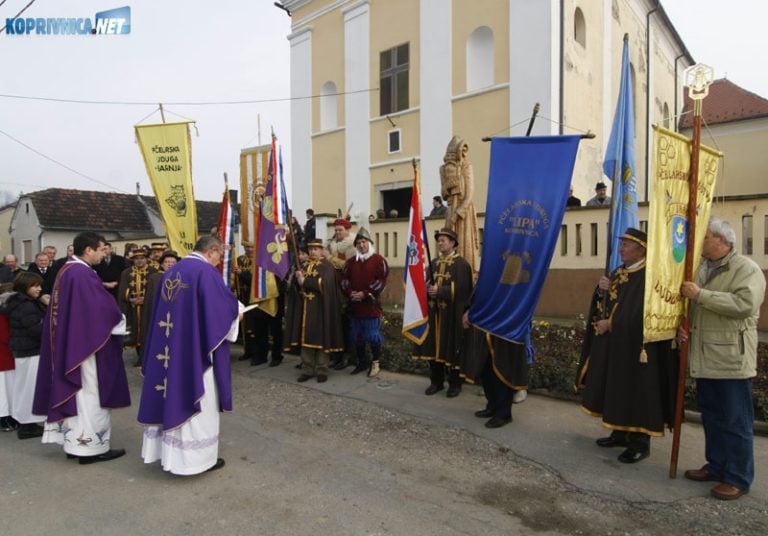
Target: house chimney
[138,189]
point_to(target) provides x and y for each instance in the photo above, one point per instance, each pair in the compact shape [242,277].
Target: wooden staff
[697,90]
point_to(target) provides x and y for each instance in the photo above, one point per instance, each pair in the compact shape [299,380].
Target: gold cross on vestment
[167,324]
[163,388]
[164,357]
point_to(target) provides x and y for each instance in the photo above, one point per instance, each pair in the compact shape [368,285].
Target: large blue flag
[527,191]
[619,163]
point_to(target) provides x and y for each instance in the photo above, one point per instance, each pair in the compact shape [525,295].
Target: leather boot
[362,362]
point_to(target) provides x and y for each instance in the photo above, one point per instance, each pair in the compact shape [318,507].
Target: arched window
[480,59]
[579,27]
[665,115]
[328,97]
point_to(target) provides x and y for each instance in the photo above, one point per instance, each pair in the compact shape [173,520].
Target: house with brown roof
[53,217]
[734,121]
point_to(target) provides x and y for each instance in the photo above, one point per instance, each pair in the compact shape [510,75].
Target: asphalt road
[359,456]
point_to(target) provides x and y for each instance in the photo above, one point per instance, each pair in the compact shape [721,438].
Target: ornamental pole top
[698,79]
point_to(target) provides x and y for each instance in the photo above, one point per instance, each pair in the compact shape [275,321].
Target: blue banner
[528,186]
[619,163]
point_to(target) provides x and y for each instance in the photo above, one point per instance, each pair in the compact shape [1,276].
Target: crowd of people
[62,338]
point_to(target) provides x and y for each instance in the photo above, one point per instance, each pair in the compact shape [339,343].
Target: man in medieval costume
[314,320]
[627,384]
[449,290]
[363,280]
[187,376]
[81,376]
[130,295]
[341,248]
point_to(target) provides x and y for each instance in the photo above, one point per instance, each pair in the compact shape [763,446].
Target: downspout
[562,66]
[648,96]
[677,90]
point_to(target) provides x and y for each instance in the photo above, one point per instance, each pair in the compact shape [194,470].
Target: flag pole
[698,80]
[423,225]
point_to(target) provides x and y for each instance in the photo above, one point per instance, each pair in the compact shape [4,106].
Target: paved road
[374,456]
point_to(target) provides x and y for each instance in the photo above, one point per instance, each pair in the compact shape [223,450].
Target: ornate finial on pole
[698,78]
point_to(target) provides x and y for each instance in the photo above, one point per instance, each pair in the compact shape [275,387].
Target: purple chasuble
[191,316]
[77,324]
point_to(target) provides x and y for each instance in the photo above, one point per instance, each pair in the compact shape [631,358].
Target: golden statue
[457,187]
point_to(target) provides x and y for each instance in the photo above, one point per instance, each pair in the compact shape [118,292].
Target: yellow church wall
[328,173]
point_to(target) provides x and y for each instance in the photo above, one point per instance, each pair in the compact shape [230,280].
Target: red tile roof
[726,102]
[84,210]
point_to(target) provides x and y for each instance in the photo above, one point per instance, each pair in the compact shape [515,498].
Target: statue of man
[457,187]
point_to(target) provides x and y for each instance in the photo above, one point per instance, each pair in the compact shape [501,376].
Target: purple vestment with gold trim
[192,314]
[78,324]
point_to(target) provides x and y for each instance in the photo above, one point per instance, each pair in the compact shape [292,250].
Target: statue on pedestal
[457,186]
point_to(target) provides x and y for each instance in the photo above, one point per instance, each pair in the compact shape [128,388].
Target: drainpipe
[677,90]
[648,96]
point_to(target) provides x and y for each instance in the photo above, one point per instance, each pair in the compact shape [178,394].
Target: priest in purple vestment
[81,376]
[187,376]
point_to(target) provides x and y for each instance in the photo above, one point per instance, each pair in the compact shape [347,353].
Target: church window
[393,79]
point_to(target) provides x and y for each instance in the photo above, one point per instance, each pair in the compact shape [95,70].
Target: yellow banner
[254,165]
[664,307]
[166,149]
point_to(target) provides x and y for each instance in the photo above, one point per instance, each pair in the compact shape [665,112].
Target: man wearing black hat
[363,280]
[601,198]
[449,291]
[130,294]
[314,321]
[627,383]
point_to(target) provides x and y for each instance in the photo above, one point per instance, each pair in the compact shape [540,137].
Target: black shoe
[453,391]
[8,424]
[341,365]
[633,456]
[28,431]
[483,414]
[610,441]
[432,389]
[276,361]
[497,422]
[304,377]
[359,368]
[256,361]
[299,366]
[244,357]
[218,465]
[111,454]
[322,378]
[335,362]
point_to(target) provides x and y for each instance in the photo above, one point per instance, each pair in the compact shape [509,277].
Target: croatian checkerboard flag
[415,310]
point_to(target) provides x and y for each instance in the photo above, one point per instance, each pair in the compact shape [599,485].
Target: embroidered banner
[167,153]
[528,187]
[668,228]
[619,163]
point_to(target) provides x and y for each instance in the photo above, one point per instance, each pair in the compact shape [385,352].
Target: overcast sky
[206,51]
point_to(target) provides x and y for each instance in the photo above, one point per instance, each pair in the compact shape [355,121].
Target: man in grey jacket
[725,303]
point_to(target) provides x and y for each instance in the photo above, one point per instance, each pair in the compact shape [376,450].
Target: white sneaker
[520,396]
[374,369]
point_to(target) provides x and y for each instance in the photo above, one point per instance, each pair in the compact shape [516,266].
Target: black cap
[636,235]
